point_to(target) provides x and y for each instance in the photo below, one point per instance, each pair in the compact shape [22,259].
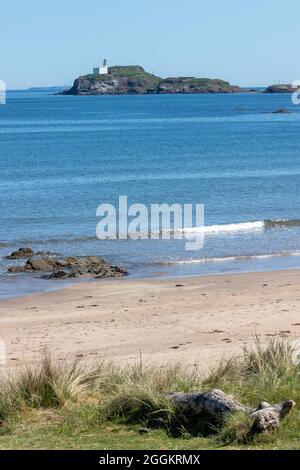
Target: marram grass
[72,404]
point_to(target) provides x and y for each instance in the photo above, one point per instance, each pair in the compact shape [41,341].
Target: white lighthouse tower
[104,68]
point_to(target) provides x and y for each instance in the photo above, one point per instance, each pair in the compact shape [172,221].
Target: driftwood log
[265,418]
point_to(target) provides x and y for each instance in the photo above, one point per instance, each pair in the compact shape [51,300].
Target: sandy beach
[195,319]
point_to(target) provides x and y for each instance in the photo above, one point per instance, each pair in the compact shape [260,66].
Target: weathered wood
[265,418]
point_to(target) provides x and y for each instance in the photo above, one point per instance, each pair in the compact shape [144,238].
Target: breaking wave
[224,259]
[218,228]
[242,226]
[226,227]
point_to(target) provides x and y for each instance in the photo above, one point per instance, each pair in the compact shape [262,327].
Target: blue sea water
[62,156]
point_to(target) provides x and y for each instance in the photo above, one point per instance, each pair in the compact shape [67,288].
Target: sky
[249,43]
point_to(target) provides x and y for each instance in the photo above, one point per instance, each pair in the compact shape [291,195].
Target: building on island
[102,70]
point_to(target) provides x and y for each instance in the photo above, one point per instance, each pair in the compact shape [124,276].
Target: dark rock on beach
[16,269]
[58,275]
[70,267]
[42,264]
[26,252]
[21,253]
[86,266]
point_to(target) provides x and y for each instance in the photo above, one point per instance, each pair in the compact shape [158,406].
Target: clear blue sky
[247,42]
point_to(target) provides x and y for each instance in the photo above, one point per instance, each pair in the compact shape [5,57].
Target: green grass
[128,71]
[199,82]
[69,405]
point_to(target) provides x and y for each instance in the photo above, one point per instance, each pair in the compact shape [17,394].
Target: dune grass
[76,405]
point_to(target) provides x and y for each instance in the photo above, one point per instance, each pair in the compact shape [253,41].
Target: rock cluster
[70,267]
[21,253]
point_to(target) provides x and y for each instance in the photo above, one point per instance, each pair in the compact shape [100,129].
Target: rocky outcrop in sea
[280,89]
[52,267]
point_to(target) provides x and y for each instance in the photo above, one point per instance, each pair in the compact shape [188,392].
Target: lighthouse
[104,68]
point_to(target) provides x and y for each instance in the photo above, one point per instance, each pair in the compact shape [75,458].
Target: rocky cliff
[127,80]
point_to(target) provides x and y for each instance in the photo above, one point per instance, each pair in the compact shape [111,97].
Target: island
[280,89]
[133,79]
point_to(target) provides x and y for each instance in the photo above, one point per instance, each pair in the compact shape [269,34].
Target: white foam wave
[226,227]
[224,259]
[243,226]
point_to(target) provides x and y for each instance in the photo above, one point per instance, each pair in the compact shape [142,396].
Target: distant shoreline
[57,90]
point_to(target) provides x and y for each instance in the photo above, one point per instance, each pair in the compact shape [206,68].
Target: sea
[63,156]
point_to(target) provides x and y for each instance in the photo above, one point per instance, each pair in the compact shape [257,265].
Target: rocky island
[280,89]
[133,79]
